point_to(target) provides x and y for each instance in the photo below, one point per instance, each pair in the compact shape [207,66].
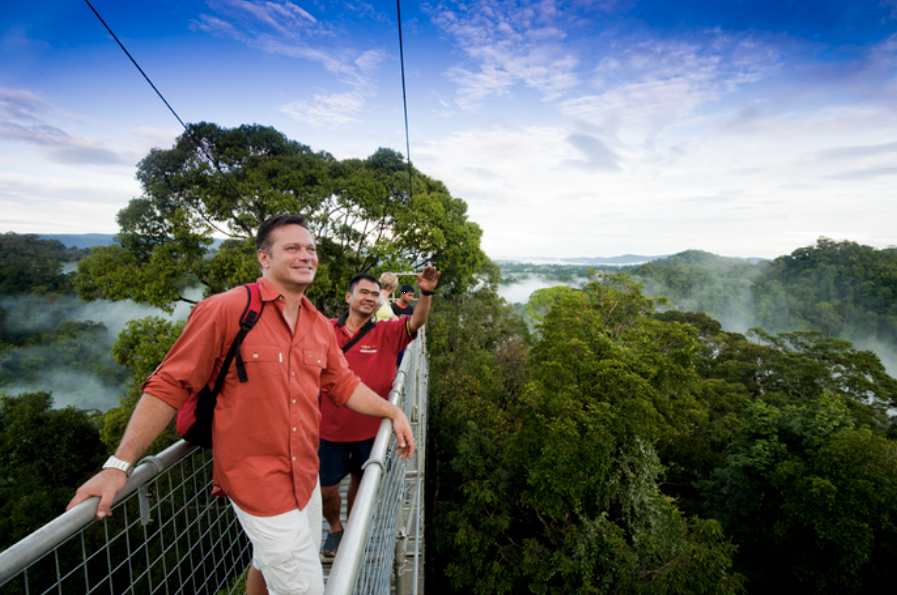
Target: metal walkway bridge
[168,534]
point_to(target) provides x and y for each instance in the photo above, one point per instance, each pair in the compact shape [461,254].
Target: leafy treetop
[220,181]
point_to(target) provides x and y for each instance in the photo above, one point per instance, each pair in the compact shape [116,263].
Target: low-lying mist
[734,314]
[50,348]
[519,292]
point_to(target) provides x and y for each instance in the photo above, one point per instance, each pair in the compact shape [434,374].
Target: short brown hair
[389,282]
[263,237]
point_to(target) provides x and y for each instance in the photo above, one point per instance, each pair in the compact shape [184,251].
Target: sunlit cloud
[22,116]
[865,174]
[286,29]
[283,18]
[509,43]
[334,110]
[857,151]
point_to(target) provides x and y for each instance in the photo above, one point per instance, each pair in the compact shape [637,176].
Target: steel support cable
[405,104]
[165,101]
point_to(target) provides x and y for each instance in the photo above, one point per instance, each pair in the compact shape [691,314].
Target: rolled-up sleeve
[192,359]
[338,381]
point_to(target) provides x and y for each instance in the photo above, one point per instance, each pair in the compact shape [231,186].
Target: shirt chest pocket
[313,363]
[314,359]
[261,354]
[264,364]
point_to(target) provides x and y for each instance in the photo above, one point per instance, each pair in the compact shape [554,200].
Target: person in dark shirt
[402,306]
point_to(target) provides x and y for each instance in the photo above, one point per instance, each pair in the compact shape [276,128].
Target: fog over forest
[519,292]
[736,318]
[83,389]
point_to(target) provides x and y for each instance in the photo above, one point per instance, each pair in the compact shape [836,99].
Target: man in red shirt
[265,431]
[346,437]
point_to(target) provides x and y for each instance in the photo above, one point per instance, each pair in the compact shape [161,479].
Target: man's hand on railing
[105,484]
[404,435]
[150,417]
[367,402]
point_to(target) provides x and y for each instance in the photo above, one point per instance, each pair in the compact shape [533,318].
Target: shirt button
[294,429]
[294,458]
[255,356]
[294,400]
[292,373]
[319,361]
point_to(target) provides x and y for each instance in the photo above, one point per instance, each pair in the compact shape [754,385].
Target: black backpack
[194,422]
[195,417]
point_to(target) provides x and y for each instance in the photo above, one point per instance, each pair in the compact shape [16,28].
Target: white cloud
[721,175]
[370,59]
[145,138]
[284,18]
[286,29]
[46,201]
[655,92]
[333,110]
[509,43]
[23,118]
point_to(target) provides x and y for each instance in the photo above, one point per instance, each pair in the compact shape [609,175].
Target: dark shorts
[339,459]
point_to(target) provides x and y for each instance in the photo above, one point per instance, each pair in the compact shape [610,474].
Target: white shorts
[285,548]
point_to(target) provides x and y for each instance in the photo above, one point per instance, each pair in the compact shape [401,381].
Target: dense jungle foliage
[610,443]
[40,335]
[44,451]
[630,448]
[841,289]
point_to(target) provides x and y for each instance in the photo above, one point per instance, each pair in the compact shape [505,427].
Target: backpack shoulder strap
[358,336]
[251,314]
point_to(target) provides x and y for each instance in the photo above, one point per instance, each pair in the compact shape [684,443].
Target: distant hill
[705,259]
[89,240]
[624,260]
[695,256]
[80,240]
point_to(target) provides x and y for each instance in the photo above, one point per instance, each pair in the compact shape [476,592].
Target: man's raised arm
[150,417]
[426,283]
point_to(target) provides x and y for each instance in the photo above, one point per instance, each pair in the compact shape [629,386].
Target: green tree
[32,265]
[542,300]
[780,370]
[810,498]
[140,347]
[44,452]
[556,487]
[362,211]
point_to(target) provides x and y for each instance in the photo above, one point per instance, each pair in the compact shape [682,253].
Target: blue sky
[574,129]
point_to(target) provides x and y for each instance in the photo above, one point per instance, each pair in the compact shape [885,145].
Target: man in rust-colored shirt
[265,431]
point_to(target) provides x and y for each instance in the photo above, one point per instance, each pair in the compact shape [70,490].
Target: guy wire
[171,109]
[405,103]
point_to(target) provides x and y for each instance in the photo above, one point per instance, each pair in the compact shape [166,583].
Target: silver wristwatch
[114,462]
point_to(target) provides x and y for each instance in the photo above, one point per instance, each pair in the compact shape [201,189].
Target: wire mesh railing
[168,534]
[375,549]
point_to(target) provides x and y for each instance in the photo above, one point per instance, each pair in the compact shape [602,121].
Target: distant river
[520,292]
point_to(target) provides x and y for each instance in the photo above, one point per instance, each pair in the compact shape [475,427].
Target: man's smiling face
[365,298]
[292,260]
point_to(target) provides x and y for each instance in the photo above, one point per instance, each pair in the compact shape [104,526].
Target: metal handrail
[346,564]
[345,569]
[171,527]
[33,547]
